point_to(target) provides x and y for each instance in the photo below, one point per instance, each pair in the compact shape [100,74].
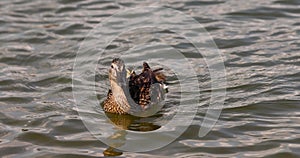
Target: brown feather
[110,105]
[139,88]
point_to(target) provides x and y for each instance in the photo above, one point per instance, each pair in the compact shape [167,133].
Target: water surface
[260,41]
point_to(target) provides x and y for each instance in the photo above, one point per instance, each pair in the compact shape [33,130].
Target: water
[260,42]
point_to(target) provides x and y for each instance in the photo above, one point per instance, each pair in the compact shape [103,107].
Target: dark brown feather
[139,88]
[139,85]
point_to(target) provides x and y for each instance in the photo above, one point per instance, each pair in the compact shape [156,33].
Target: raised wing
[140,85]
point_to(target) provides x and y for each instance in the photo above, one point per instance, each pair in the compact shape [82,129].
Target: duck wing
[140,85]
[134,87]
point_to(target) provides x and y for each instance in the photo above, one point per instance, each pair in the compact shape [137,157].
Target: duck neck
[120,91]
[119,95]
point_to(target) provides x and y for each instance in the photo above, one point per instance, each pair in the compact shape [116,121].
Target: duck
[129,92]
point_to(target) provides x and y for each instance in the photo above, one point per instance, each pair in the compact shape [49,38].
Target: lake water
[260,46]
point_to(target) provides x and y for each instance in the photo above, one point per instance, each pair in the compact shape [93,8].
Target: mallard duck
[131,92]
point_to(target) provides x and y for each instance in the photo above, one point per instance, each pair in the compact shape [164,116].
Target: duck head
[117,72]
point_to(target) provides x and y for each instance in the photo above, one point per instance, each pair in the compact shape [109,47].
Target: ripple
[259,41]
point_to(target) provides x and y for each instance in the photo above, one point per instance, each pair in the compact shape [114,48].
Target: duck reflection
[123,123]
[133,123]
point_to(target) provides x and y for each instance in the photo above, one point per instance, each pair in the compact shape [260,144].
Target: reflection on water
[129,122]
[259,40]
[125,122]
[111,152]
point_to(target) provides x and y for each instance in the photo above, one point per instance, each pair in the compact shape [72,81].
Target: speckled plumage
[139,87]
[110,105]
